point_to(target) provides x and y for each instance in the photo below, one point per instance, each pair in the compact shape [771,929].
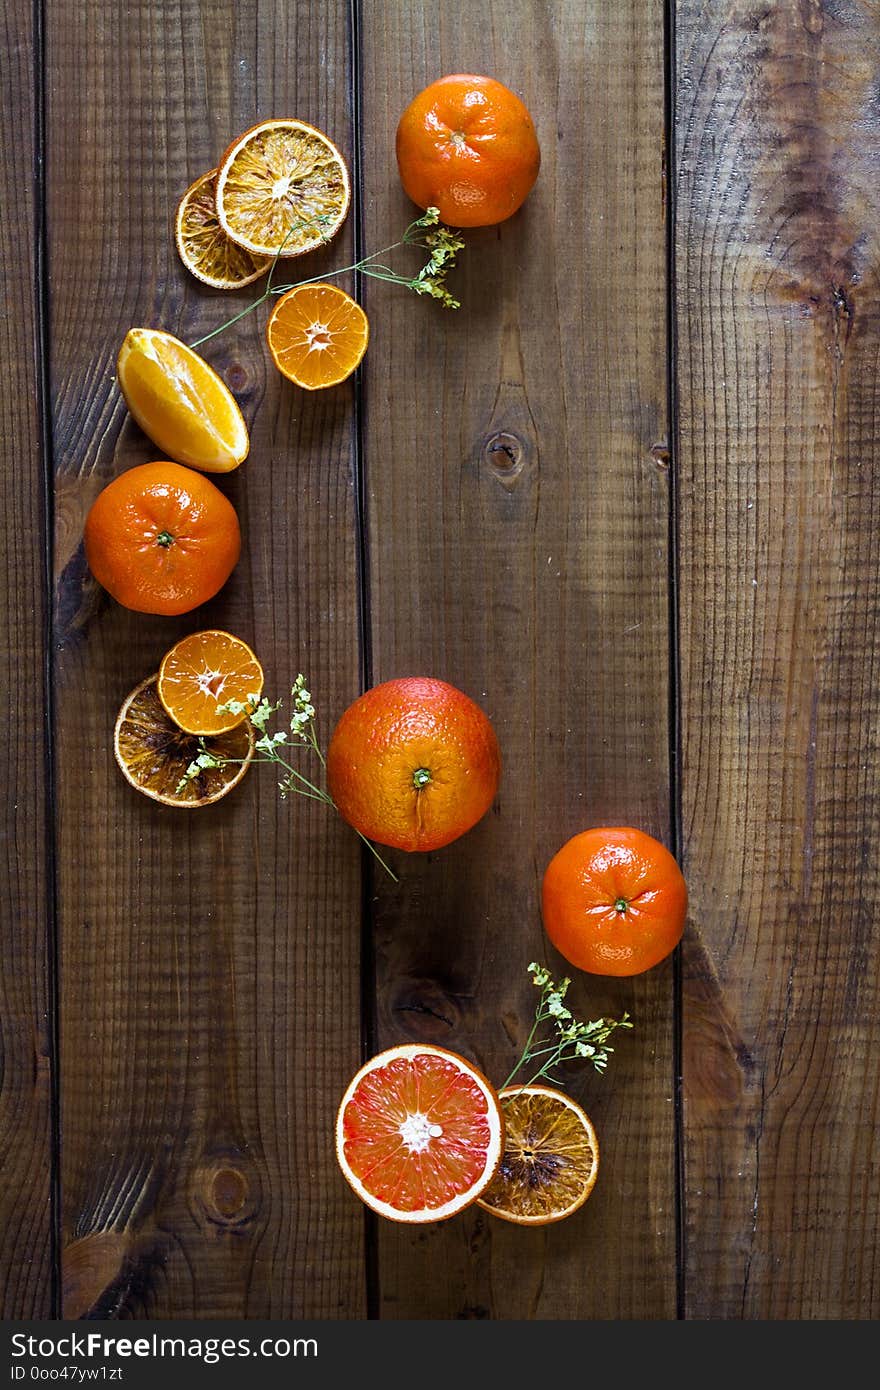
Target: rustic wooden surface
[778,131]
[27,1261]
[621,553]
[518,526]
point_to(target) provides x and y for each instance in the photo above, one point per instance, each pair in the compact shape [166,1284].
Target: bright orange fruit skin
[467,146]
[413,763]
[162,538]
[614,901]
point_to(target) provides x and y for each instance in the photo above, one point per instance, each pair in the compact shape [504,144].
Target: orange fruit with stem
[162,538]
[206,670]
[550,1161]
[467,146]
[419,1133]
[180,402]
[153,753]
[282,189]
[203,246]
[413,763]
[317,335]
[614,901]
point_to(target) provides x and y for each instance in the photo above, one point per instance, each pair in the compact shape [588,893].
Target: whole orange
[413,763]
[467,146]
[614,901]
[161,538]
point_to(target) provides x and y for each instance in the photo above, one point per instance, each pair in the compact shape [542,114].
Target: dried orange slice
[282,189]
[419,1133]
[180,402]
[154,753]
[202,671]
[317,335]
[203,246]
[551,1157]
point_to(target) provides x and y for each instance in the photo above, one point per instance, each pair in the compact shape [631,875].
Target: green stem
[524,1055]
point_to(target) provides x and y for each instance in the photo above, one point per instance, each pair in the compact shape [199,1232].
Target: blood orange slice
[419,1133]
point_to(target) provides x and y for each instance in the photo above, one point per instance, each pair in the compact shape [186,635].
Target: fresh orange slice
[419,1133]
[551,1157]
[180,402]
[203,246]
[317,335]
[204,670]
[153,753]
[282,189]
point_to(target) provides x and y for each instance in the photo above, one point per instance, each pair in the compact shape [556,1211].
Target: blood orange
[419,1133]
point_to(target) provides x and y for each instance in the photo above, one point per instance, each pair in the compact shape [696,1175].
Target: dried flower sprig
[268,746]
[568,1039]
[426,232]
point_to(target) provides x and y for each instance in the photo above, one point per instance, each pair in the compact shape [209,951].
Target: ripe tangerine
[467,146]
[614,901]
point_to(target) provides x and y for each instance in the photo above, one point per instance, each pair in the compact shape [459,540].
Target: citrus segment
[413,763]
[203,671]
[203,246]
[282,188]
[317,335]
[162,538]
[419,1133]
[550,1161]
[153,753]
[180,402]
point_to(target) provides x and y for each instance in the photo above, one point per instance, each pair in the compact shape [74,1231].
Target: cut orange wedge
[180,402]
[317,335]
[154,754]
[203,246]
[550,1161]
[282,189]
[203,671]
[419,1133]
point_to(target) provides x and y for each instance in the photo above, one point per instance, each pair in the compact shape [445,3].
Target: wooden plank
[210,960]
[26,1257]
[778,133]
[537,582]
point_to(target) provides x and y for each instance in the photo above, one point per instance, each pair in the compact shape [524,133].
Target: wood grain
[26,1256]
[210,979]
[518,519]
[778,129]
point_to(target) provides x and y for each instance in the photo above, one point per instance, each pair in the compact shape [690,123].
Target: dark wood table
[624,497]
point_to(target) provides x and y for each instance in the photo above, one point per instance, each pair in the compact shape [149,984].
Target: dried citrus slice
[154,753]
[551,1157]
[204,247]
[282,189]
[317,335]
[202,671]
[419,1133]
[180,402]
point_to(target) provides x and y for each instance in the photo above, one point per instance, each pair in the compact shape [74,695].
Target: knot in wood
[226,1195]
[425,1011]
[505,457]
[236,377]
[660,455]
